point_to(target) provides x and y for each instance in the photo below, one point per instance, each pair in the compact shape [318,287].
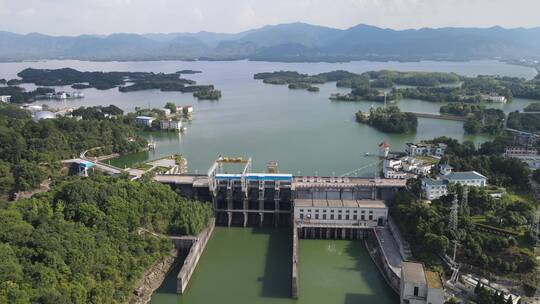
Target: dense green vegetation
[533,107]
[31,151]
[20,95]
[479,119]
[85,241]
[426,224]
[303,86]
[188,72]
[524,121]
[207,93]
[360,82]
[429,86]
[389,119]
[97,112]
[138,81]
[81,86]
[438,94]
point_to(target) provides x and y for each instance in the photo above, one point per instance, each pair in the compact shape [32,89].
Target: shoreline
[153,278]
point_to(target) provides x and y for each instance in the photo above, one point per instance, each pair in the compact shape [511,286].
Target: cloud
[69,17]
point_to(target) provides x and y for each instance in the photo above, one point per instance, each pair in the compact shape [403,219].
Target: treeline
[528,122]
[479,119]
[389,119]
[438,94]
[86,240]
[138,81]
[31,150]
[361,82]
[20,95]
[429,86]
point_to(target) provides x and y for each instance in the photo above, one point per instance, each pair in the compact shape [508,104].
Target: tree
[436,243]
[171,106]
[27,176]
[7,181]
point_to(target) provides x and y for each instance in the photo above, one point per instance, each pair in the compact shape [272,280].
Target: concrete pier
[191,260]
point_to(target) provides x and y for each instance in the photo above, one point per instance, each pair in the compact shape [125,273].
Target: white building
[171,125]
[526,154]
[406,167]
[435,188]
[362,213]
[418,286]
[43,115]
[423,149]
[144,120]
[5,98]
[511,151]
[167,111]
[494,97]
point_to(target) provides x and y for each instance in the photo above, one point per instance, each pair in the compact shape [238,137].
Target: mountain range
[283,42]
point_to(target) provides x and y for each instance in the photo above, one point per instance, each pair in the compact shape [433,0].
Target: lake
[304,132]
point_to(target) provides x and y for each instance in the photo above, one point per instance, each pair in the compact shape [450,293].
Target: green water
[253,266]
[304,132]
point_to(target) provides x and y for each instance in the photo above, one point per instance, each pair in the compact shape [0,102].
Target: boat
[366,154]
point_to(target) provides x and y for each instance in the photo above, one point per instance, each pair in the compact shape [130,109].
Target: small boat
[366,154]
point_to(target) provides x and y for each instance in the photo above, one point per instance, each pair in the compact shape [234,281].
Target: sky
[75,17]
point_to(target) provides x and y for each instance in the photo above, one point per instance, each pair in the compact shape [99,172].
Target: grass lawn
[428,160]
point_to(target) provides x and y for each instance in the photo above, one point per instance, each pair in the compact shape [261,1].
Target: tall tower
[536,223]
[465,201]
[453,224]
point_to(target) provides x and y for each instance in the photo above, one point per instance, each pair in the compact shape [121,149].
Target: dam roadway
[299,182]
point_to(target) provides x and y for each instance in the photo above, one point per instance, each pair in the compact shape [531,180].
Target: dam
[283,216]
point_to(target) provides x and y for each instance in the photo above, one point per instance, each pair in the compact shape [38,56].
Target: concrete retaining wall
[195,252]
[376,254]
[295,287]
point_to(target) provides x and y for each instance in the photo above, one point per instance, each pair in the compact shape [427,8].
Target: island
[479,118]
[429,86]
[81,86]
[188,72]
[389,119]
[124,81]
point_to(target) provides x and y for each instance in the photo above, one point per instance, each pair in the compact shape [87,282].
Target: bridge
[439,116]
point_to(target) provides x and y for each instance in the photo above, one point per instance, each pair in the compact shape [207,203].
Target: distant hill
[283,42]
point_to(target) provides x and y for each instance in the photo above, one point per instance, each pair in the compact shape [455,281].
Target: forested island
[361,82]
[508,249]
[124,81]
[429,86]
[479,118]
[389,119]
[188,72]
